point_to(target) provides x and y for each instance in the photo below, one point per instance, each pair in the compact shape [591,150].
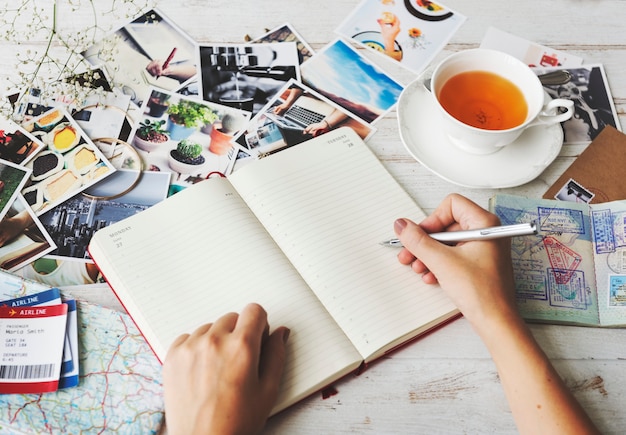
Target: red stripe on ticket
[32,312]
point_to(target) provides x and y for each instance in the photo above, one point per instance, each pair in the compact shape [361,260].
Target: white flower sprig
[48,37]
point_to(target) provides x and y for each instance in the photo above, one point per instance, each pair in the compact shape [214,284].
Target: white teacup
[482,138]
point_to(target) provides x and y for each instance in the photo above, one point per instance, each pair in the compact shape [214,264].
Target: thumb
[272,364]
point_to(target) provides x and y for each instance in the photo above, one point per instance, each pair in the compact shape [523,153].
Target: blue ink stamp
[617,291]
[570,294]
[561,220]
[603,235]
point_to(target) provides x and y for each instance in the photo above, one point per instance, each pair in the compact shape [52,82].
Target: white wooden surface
[446,382]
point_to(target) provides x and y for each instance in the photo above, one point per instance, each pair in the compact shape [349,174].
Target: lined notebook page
[328,203]
[200,254]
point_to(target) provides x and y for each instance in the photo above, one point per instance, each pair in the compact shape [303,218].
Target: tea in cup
[487,98]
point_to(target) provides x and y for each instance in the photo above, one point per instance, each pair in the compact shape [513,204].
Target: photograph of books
[297,232]
[26,237]
[574,270]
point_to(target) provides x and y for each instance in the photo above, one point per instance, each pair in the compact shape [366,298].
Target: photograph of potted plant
[187,157]
[185,117]
[222,133]
[150,134]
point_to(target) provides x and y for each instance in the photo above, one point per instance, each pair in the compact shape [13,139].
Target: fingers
[417,244]
[253,324]
[273,359]
[457,212]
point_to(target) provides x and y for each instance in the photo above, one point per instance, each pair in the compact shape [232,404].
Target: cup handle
[550,115]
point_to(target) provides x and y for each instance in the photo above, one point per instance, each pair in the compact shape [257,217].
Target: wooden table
[446,382]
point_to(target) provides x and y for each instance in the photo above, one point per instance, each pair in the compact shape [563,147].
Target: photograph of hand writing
[150,50]
[482,289]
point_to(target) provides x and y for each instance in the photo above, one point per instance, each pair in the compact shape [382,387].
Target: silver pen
[498,232]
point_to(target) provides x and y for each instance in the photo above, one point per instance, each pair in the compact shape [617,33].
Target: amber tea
[484,100]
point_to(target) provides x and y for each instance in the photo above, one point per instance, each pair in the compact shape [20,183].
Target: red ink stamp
[562,259]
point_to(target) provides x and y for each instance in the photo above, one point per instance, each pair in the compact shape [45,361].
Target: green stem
[46,52]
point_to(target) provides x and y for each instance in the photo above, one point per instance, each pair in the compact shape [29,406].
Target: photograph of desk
[446,382]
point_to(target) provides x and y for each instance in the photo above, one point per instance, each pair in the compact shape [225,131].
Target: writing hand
[477,276]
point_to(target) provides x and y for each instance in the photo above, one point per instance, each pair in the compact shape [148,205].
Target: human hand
[155,68]
[476,275]
[180,72]
[316,128]
[224,377]
[389,30]
[281,108]
[389,27]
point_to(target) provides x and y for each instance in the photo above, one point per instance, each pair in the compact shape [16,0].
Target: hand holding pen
[478,279]
[437,261]
[158,68]
[497,232]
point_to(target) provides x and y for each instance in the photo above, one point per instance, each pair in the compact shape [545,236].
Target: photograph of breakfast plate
[62,138]
[516,164]
[33,195]
[427,10]
[60,184]
[68,154]
[46,164]
[82,159]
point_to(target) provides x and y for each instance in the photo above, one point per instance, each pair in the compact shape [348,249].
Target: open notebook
[297,232]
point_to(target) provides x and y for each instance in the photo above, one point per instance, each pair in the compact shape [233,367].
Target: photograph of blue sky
[341,74]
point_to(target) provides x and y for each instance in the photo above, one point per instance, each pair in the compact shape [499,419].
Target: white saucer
[513,165]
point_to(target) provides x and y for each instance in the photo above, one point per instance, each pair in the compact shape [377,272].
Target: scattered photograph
[187,137]
[295,115]
[531,53]
[573,191]
[23,238]
[13,178]
[70,92]
[149,51]
[593,103]
[247,76]
[61,271]
[67,165]
[286,33]
[16,144]
[345,77]
[72,223]
[104,115]
[411,33]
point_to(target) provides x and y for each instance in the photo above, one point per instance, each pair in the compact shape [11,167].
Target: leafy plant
[152,131]
[191,114]
[188,149]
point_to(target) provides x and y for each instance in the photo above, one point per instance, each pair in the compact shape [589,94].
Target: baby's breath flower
[30,22]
